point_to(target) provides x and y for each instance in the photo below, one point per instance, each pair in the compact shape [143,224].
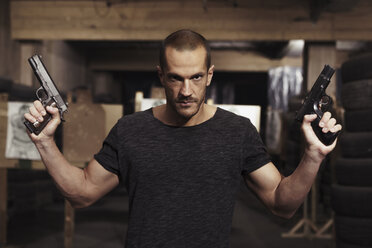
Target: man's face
[185,80]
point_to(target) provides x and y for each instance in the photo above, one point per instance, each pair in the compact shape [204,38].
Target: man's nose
[186,88]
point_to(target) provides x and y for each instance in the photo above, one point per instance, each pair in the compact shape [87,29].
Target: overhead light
[295,48]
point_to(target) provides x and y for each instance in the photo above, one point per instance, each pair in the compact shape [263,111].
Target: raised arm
[81,187]
[283,195]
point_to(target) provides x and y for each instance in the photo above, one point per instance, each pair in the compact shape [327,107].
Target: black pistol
[317,102]
[48,95]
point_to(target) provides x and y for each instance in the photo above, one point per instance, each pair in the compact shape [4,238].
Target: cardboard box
[87,125]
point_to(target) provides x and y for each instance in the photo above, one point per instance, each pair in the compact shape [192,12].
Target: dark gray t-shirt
[182,181]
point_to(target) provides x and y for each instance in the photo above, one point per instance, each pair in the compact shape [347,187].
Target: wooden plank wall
[59,57]
[217,20]
[66,65]
[147,59]
[9,49]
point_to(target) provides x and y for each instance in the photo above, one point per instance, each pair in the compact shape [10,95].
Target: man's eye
[198,77]
[175,78]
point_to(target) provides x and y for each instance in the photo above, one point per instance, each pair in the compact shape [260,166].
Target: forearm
[283,195]
[292,190]
[70,180]
[80,187]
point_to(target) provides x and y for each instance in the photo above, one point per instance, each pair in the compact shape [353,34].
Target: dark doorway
[242,88]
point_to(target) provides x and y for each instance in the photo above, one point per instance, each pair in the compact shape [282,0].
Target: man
[181,162]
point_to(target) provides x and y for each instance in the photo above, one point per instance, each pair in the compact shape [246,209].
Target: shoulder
[135,117]
[230,118]
[130,126]
[232,125]
[135,120]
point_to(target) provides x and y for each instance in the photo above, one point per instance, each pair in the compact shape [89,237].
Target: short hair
[181,40]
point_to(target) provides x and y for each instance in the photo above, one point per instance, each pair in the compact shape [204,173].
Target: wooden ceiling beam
[153,20]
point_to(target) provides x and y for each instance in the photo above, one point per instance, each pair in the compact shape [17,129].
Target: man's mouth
[186,103]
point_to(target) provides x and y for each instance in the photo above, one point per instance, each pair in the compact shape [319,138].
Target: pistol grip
[326,138]
[37,127]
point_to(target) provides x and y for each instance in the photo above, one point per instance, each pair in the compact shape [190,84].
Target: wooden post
[138,101]
[314,201]
[3,205]
[69,225]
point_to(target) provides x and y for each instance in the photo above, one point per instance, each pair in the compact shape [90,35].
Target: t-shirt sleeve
[108,155]
[254,152]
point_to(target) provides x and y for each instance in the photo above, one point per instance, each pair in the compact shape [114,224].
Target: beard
[187,107]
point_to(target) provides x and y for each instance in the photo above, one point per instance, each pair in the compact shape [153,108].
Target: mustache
[186,99]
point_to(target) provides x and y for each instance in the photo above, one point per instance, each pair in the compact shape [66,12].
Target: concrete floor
[104,225]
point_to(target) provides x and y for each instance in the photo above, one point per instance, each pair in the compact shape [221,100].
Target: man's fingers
[336,128]
[325,118]
[331,122]
[29,117]
[54,112]
[37,111]
[309,118]
[326,123]
[329,126]
[39,107]
[36,114]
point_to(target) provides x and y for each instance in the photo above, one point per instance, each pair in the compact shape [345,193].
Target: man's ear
[160,74]
[210,74]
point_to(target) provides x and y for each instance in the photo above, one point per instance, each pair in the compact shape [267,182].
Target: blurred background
[102,55]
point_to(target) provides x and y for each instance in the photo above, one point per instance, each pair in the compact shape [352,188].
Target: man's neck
[168,116]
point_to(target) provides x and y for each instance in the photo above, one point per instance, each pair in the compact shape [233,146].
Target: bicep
[264,182]
[99,181]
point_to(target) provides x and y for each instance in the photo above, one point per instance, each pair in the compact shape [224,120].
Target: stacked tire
[352,195]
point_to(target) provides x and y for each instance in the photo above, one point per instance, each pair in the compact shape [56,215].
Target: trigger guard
[41,94]
[322,105]
[317,110]
[327,104]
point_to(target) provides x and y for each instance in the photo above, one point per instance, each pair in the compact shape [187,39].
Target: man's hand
[314,147]
[36,113]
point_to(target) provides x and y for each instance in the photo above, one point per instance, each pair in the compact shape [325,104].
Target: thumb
[53,111]
[309,118]
[306,123]
[307,128]
[56,120]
